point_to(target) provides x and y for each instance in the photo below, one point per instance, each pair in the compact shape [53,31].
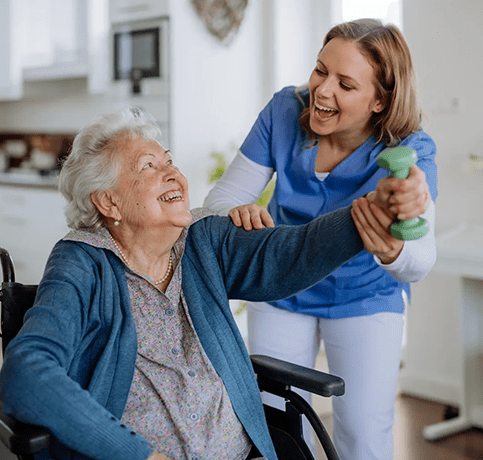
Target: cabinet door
[10,57]
[54,34]
[31,222]
[98,26]
[133,10]
[53,39]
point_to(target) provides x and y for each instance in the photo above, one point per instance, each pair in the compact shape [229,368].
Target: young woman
[322,141]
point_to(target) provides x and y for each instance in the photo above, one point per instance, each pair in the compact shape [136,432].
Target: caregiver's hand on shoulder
[373,225]
[251,216]
[403,198]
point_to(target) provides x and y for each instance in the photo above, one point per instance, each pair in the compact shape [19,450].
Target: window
[389,11]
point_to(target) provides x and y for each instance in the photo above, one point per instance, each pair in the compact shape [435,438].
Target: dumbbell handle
[398,160]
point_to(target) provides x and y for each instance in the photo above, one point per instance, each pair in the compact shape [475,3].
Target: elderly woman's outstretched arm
[275,263]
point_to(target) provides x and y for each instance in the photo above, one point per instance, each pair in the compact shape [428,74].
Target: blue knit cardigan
[71,367]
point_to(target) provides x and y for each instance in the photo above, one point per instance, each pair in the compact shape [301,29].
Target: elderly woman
[130,351]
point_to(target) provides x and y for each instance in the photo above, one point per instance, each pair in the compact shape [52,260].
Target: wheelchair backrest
[15,298]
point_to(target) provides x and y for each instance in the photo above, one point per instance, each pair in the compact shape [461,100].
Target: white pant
[365,351]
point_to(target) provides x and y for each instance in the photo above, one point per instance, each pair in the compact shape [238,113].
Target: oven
[140,57]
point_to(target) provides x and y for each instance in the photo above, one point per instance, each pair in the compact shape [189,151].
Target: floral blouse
[177,401]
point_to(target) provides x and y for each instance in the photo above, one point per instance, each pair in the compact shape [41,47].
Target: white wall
[216,91]
[446,41]
[299,29]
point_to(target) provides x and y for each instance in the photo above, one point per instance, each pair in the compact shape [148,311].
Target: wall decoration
[221,17]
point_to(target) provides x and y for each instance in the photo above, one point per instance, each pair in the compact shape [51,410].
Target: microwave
[140,52]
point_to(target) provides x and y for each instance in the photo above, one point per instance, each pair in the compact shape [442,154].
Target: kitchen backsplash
[33,152]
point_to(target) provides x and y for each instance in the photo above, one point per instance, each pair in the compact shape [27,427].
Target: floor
[412,415]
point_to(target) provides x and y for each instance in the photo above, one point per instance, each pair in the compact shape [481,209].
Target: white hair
[91,166]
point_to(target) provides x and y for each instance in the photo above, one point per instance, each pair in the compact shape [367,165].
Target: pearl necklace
[124,258]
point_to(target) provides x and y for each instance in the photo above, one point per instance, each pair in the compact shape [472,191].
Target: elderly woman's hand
[403,199]
[374,225]
[251,216]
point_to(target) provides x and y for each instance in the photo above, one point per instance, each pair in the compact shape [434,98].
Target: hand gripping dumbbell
[398,160]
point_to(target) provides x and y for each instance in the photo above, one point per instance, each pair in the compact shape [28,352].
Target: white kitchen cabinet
[31,222]
[10,58]
[135,10]
[98,45]
[54,38]
[51,40]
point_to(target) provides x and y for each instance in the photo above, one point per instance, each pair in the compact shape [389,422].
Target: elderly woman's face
[151,191]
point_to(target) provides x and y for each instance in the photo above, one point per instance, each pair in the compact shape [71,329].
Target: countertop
[460,251]
[29,179]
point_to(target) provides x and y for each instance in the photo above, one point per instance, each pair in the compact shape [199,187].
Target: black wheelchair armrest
[21,438]
[274,370]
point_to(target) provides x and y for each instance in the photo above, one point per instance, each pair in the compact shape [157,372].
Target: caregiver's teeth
[171,196]
[325,109]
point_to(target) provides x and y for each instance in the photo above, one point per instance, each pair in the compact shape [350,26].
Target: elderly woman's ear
[105,204]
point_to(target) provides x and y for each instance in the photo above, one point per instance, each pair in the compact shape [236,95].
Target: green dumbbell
[398,160]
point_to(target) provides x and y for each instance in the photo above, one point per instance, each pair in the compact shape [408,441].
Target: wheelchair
[274,376]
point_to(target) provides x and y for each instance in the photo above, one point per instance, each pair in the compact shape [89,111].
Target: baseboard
[428,387]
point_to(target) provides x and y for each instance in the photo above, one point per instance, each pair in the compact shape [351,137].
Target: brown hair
[386,49]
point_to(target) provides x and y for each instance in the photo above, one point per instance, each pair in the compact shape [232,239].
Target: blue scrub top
[360,287]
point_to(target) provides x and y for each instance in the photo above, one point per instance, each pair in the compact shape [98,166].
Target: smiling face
[151,191]
[342,92]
